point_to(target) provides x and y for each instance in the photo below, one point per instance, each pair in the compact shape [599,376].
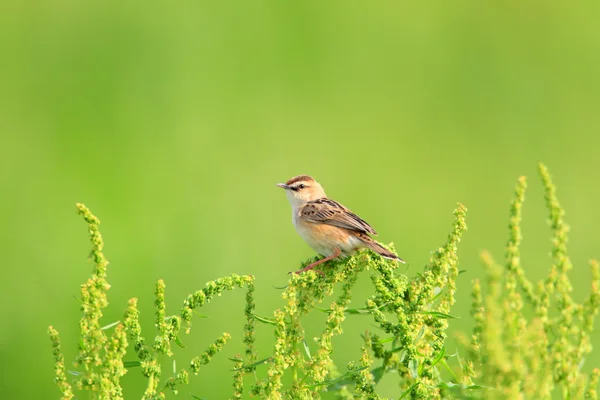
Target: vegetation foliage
[529,340]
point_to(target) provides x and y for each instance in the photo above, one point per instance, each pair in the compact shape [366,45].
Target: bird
[328,227]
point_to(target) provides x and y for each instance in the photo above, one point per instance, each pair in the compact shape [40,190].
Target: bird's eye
[301,186]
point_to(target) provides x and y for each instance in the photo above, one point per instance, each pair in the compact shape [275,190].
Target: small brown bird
[328,227]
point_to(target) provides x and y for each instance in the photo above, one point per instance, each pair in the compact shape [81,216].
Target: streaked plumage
[331,212]
[328,227]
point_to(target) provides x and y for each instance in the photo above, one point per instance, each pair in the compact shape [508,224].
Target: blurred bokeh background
[174,122]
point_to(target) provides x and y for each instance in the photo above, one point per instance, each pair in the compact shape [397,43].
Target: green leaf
[358,311]
[378,373]
[413,366]
[131,364]
[179,342]
[263,361]
[420,334]
[306,349]
[363,310]
[335,384]
[410,389]
[264,320]
[396,349]
[437,295]
[461,391]
[387,340]
[403,353]
[458,385]
[235,359]
[196,397]
[439,357]
[200,315]
[445,364]
[110,325]
[438,314]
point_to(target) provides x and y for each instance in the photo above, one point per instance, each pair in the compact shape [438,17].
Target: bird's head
[301,189]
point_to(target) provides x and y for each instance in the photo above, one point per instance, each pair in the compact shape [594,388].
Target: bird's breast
[325,238]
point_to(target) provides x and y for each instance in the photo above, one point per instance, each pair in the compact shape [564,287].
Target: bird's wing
[331,212]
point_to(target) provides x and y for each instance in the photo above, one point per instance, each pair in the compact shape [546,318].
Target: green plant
[520,357]
[508,355]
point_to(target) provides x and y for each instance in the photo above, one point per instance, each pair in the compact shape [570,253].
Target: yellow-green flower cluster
[238,378]
[280,361]
[151,368]
[510,355]
[519,357]
[591,392]
[249,332]
[93,300]
[100,357]
[168,327]
[361,374]
[210,290]
[413,311]
[59,366]
[209,353]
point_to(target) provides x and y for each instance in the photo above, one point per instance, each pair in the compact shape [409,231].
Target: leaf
[396,349]
[461,391]
[306,349]
[131,364]
[356,311]
[110,325]
[336,383]
[437,293]
[420,334]
[263,361]
[402,354]
[235,359]
[200,315]
[76,373]
[363,310]
[280,287]
[410,389]
[197,397]
[445,364]
[439,357]
[438,314]
[179,342]
[458,385]
[386,340]
[264,320]
[378,373]
[413,366]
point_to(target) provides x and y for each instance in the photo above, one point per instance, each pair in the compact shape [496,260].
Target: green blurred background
[174,121]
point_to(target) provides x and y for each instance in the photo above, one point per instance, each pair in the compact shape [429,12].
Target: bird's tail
[372,244]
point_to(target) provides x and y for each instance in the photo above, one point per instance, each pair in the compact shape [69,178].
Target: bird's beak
[283,185]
